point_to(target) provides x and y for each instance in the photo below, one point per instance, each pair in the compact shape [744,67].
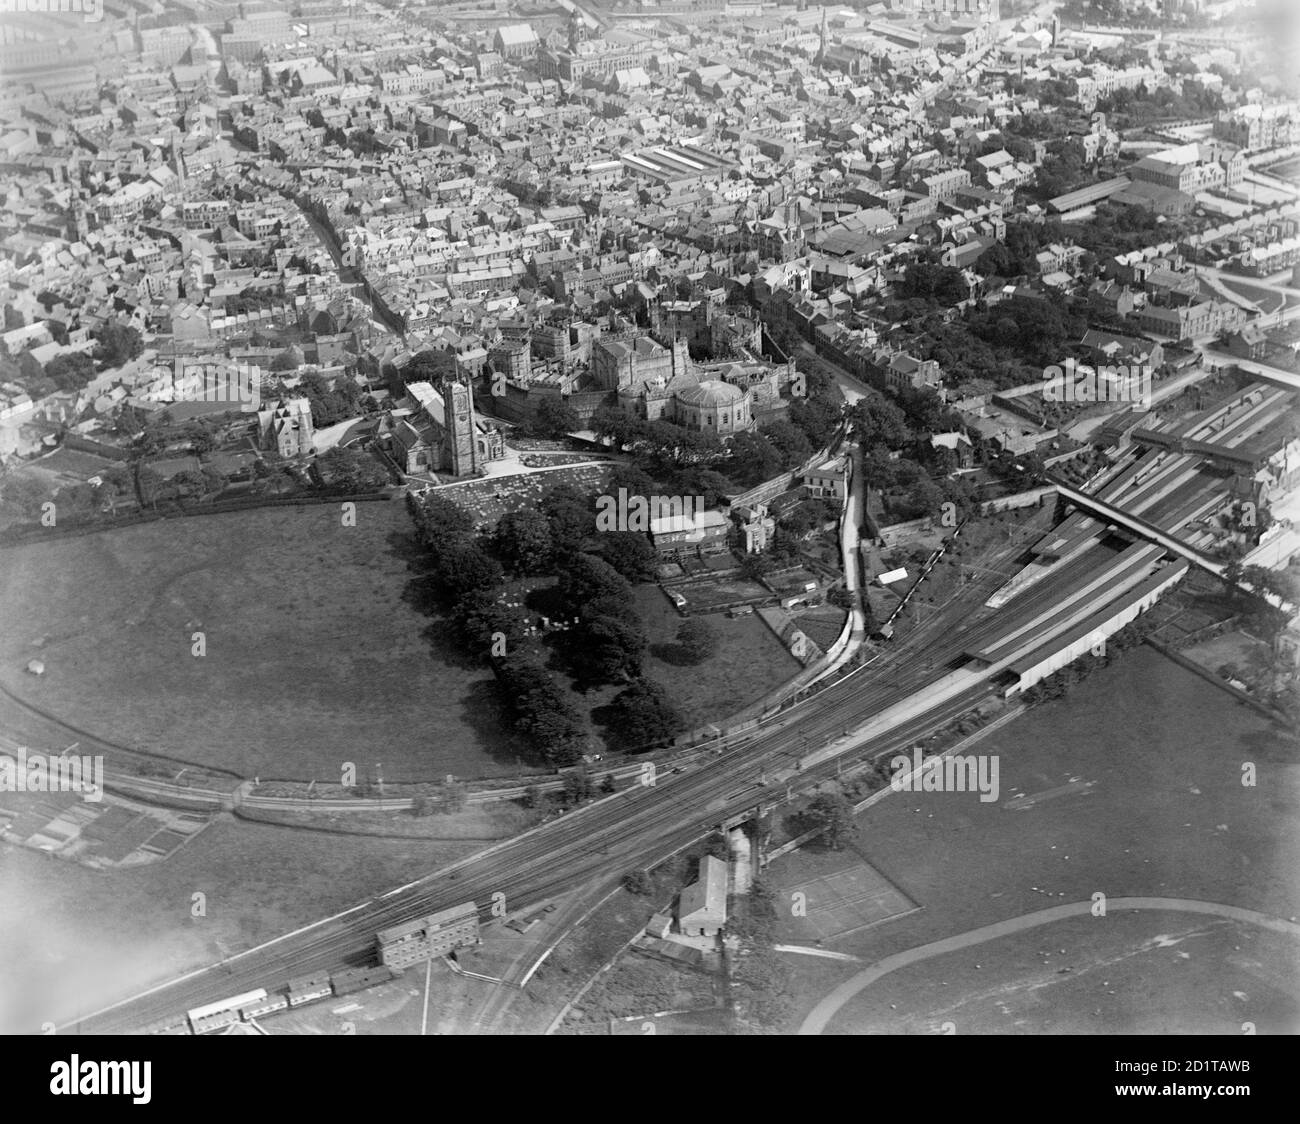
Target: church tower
[577,32]
[461,448]
[78,227]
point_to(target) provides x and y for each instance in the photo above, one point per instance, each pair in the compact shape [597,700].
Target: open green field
[315,655]
[316,650]
[1136,787]
[750,661]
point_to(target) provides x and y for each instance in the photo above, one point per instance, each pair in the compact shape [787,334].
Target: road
[828,1008]
[637,827]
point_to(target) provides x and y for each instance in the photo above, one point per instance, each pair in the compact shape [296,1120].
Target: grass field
[1164,814]
[750,661]
[315,655]
[316,650]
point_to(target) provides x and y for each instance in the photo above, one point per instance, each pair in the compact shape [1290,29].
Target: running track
[826,1010]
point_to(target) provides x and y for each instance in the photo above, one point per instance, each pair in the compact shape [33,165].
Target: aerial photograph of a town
[650,517]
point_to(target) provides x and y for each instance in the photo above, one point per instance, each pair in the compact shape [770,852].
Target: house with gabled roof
[702,907]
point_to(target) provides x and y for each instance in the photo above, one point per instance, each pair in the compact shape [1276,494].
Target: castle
[649,374]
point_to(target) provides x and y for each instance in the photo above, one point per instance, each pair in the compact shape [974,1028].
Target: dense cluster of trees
[643,714]
[941,284]
[22,498]
[350,471]
[606,644]
[899,459]
[1141,104]
[117,343]
[542,711]
[831,813]
[331,400]
[609,641]
[70,371]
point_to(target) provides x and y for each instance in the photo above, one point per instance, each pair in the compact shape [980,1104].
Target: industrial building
[423,939]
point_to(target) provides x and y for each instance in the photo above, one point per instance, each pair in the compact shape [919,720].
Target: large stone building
[515,42]
[634,370]
[433,430]
[583,58]
[1193,167]
[428,937]
[1257,126]
[287,428]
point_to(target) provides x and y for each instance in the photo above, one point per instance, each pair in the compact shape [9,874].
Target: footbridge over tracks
[1139,526]
[1136,525]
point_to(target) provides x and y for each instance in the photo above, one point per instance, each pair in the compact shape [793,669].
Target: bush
[638,882]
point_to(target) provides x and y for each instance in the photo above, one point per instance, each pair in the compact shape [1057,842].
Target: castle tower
[462,451]
[681,358]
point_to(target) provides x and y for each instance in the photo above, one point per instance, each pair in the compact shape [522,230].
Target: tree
[200,438]
[644,713]
[607,784]
[532,796]
[638,882]
[922,498]
[817,418]
[23,496]
[351,470]
[481,620]
[630,553]
[754,921]
[70,371]
[618,425]
[877,421]
[832,814]
[570,516]
[464,567]
[437,518]
[762,982]
[940,283]
[607,649]
[1232,572]
[542,711]
[998,261]
[188,485]
[555,417]
[753,459]
[577,786]
[697,640]
[118,343]
[587,578]
[432,366]
[632,479]
[522,540]
[790,442]
[755,566]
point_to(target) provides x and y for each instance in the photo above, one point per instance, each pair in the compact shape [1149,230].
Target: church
[437,430]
